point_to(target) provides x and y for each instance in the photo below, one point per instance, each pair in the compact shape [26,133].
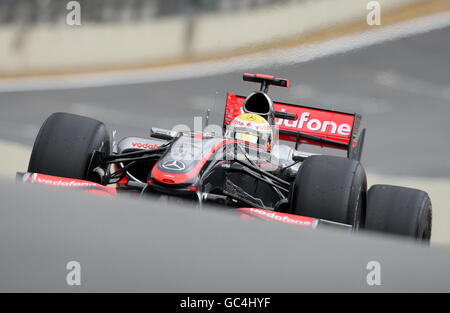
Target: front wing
[245,213]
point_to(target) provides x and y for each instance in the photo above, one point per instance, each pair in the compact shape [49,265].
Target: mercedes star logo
[174,165]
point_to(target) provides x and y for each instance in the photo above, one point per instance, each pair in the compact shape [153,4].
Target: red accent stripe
[264,76]
[271,79]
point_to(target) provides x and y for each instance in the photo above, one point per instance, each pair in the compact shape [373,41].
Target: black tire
[399,211]
[65,144]
[331,188]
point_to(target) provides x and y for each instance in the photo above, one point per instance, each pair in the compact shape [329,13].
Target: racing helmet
[251,128]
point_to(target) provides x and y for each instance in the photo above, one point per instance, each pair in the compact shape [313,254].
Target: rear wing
[320,127]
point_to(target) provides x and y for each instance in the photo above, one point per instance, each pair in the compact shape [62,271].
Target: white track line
[275,57]
[14,159]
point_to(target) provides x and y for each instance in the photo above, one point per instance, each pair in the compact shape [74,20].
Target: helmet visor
[246,137]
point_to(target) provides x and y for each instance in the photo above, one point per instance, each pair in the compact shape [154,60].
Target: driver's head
[251,128]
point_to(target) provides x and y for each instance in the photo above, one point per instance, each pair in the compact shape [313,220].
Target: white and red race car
[287,186]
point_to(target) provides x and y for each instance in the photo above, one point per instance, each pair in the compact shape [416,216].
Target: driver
[251,128]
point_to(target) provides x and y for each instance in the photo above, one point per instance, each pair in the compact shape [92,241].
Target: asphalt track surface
[180,250]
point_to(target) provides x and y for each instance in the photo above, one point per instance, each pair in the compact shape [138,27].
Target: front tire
[65,144]
[331,188]
[399,211]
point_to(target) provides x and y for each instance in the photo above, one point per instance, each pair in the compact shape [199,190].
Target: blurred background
[36,36]
[134,64]
[100,11]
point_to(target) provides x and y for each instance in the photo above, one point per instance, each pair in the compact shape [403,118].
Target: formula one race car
[242,165]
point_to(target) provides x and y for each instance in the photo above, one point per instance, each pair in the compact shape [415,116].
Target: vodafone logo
[65,183]
[141,145]
[316,122]
[86,186]
[284,218]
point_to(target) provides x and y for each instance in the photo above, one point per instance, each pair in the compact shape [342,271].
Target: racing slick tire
[331,188]
[399,211]
[65,144]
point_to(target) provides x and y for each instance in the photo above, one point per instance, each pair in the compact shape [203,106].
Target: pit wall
[62,48]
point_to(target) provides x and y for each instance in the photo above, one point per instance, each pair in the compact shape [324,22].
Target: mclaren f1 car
[253,164]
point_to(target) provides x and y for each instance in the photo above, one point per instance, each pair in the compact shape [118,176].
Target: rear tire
[331,188]
[399,211]
[65,144]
